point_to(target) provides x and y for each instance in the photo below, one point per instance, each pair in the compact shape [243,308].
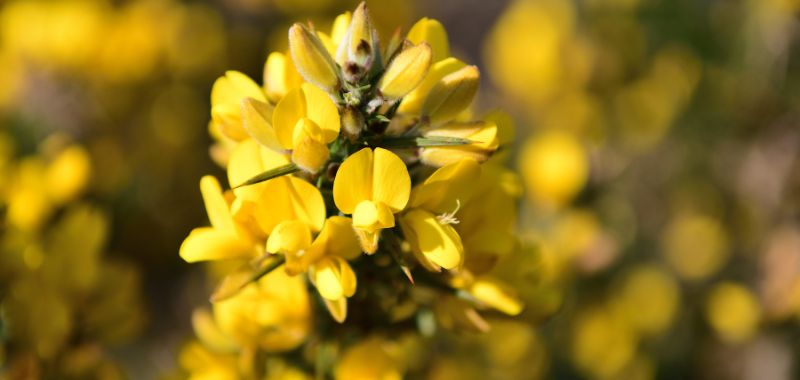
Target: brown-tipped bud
[359,48]
[312,59]
[451,95]
[352,123]
[405,72]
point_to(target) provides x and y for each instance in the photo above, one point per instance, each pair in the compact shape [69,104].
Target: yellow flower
[273,313]
[413,101]
[226,98]
[305,121]
[373,358]
[372,187]
[224,239]
[288,199]
[428,223]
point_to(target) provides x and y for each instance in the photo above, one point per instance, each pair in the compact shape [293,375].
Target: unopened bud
[312,60]
[359,48]
[405,72]
[451,95]
[352,123]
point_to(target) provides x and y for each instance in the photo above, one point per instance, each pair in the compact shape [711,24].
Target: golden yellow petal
[431,31]
[391,184]
[447,188]
[353,182]
[207,243]
[405,72]
[432,240]
[451,95]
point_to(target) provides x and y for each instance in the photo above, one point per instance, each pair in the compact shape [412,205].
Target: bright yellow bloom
[428,224]
[372,187]
[305,121]
[224,239]
[413,101]
[226,98]
[273,313]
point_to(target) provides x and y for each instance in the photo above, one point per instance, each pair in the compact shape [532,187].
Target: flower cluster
[356,164]
[62,301]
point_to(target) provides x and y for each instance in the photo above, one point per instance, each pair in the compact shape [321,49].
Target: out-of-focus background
[658,143]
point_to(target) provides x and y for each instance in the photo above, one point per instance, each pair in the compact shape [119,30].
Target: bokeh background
[658,143]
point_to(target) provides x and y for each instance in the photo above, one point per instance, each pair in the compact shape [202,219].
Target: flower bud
[312,59]
[359,48]
[352,123]
[405,72]
[483,135]
[451,95]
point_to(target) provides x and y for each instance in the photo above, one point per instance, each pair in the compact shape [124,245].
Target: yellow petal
[247,160]
[371,216]
[256,119]
[432,241]
[337,238]
[309,154]
[451,95]
[405,72]
[288,112]
[280,76]
[207,331]
[312,59]
[227,119]
[322,110]
[391,183]
[288,237]
[226,96]
[447,187]
[219,213]
[412,102]
[308,102]
[207,243]
[496,294]
[353,182]
[339,28]
[483,135]
[431,31]
[290,198]
[337,308]
[233,87]
[334,278]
